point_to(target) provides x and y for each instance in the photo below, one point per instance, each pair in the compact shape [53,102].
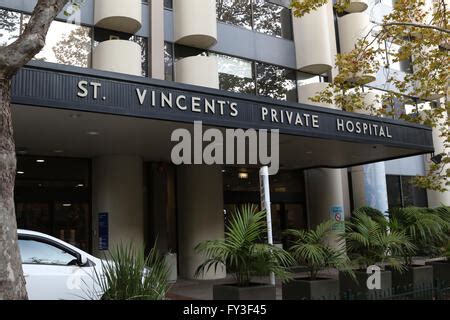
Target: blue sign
[103,231]
[337,215]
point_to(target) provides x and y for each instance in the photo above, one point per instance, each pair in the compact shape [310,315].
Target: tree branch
[32,40]
[412,24]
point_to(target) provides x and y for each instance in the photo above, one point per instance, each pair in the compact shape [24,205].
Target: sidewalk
[203,289]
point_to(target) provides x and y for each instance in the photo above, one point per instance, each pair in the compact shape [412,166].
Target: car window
[36,252]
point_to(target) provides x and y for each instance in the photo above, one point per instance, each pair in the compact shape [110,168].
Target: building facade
[94,114]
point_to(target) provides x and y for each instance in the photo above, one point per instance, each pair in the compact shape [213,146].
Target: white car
[55,270]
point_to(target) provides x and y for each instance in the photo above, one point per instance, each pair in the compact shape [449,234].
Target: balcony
[195,23]
[118,56]
[118,15]
[198,70]
[314,36]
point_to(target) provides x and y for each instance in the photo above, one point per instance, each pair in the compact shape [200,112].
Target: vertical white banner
[265,205]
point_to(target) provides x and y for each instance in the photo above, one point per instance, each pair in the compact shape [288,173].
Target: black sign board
[49,85]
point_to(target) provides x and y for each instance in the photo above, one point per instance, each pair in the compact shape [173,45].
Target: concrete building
[94,114]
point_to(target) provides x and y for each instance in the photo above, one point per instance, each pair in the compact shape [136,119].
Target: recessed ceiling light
[80,185]
[67,205]
[58,151]
[92,133]
[40,185]
[40,160]
[20,172]
[243,175]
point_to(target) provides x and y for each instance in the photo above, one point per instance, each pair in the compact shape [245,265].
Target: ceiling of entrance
[54,132]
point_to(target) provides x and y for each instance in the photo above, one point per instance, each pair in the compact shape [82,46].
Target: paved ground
[202,289]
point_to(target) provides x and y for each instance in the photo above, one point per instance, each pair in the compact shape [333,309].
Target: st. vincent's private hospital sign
[97,91]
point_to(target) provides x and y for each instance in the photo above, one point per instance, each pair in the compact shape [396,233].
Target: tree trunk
[12,281]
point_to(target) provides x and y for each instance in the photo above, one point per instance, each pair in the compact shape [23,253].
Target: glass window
[236,75]
[36,252]
[306,78]
[54,197]
[168,4]
[236,12]
[67,44]
[168,61]
[276,82]
[393,191]
[272,19]
[258,15]
[402,193]
[412,195]
[10,26]
[184,52]
[143,42]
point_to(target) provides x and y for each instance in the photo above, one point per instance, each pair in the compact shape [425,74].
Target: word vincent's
[184,103]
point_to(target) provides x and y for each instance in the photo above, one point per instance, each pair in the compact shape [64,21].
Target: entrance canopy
[88,113]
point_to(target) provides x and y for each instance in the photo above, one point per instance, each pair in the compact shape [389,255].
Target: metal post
[265,205]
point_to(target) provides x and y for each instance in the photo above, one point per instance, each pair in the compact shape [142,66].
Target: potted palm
[441,268]
[311,248]
[129,274]
[370,245]
[245,256]
[423,227]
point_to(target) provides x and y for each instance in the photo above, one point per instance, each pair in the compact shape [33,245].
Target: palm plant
[311,249]
[128,274]
[370,242]
[242,252]
[423,226]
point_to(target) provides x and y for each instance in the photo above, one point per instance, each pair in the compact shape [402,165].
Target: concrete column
[156,40]
[327,189]
[200,215]
[436,199]
[199,188]
[369,181]
[117,188]
[325,195]
[369,186]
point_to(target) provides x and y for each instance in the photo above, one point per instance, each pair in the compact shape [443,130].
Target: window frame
[252,22]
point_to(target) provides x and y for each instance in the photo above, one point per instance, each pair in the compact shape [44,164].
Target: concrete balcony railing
[353,27]
[355,6]
[195,23]
[121,56]
[198,70]
[313,36]
[310,90]
[118,15]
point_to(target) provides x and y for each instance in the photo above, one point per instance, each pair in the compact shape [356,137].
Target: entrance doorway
[52,195]
[287,191]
